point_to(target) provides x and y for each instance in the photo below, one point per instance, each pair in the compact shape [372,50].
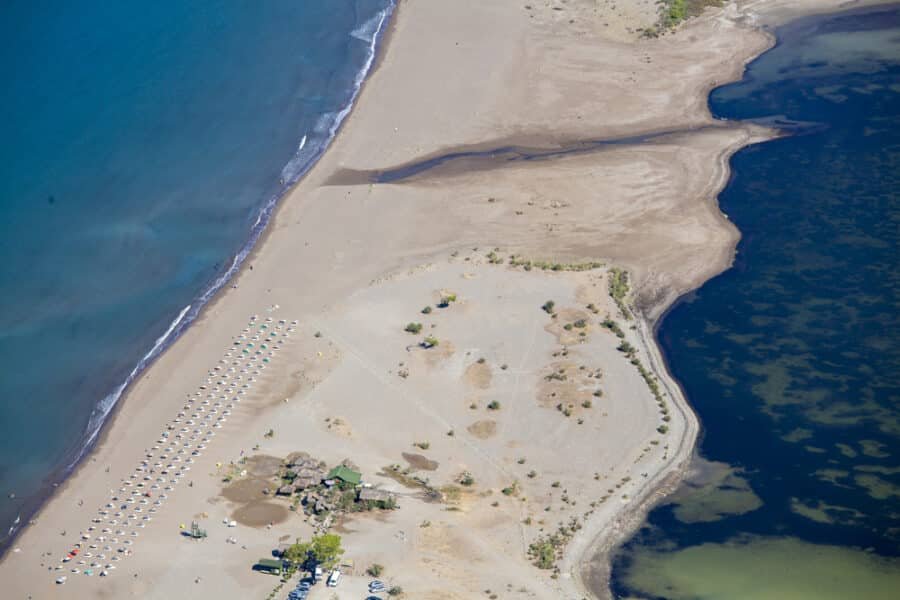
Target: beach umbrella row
[110,536]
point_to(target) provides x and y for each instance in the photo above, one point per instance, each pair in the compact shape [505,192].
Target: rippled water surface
[143,147]
[792,358]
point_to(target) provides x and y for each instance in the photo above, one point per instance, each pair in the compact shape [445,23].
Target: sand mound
[259,514]
[483,429]
[245,490]
[419,462]
[478,375]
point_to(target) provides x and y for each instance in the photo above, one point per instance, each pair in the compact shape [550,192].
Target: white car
[334,578]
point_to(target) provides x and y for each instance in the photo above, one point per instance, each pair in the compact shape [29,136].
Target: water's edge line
[595,560]
[103,414]
[597,554]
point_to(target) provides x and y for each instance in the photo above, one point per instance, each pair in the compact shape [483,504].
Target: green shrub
[626,348]
[618,290]
[413,327]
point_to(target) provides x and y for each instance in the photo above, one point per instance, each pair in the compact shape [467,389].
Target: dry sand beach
[522,421]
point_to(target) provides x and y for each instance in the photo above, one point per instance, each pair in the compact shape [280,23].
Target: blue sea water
[143,147]
[792,358]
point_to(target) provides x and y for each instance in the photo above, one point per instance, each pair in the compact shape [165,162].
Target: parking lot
[350,588]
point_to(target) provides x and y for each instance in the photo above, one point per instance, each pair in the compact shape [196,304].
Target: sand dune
[354,262]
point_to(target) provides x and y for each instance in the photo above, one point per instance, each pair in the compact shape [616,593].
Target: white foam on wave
[103,408]
[329,122]
[379,19]
[323,123]
[368,30]
[299,163]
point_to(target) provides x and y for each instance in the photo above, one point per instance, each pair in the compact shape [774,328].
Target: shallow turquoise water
[792,358]
[143,144]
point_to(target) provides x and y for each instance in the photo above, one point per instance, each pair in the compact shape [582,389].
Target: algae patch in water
[765,568]
[713,491]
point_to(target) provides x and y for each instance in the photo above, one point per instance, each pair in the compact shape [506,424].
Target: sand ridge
[355,263]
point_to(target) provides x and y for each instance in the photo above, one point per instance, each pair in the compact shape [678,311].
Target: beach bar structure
[271,566]
[344,474]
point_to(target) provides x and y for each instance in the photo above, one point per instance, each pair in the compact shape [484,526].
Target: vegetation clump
[447,300]
[614,327]
[618,290]
[627,349]
[413,327]
[548,549]
[322,550]
[674,12]
[528,265]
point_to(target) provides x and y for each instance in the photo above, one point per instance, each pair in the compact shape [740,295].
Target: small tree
[548,307]
[375,570]
[413,327]
[446,300]
[430,342]
[297,553]
[626,348]
[326,549]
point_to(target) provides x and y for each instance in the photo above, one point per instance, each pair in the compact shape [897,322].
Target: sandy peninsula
[564,196]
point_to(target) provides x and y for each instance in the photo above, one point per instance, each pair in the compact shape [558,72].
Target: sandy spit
[454,74]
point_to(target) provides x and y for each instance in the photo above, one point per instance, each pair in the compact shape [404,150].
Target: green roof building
[345,474]
[270,565]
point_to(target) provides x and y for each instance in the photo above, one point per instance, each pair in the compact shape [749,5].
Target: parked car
[334,579]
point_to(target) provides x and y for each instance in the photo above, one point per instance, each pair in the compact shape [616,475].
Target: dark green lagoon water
[791,358]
